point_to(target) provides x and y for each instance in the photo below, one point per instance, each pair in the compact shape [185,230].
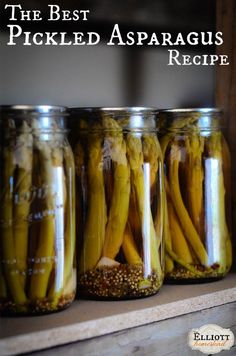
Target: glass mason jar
[119,178]
[197,168]
[37,218]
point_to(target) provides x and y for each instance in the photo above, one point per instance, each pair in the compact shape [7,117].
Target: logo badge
[210,339]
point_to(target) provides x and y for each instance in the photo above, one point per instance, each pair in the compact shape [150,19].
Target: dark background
[103,75]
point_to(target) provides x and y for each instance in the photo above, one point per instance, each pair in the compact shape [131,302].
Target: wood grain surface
[226,84]
[89,319]
[165,338]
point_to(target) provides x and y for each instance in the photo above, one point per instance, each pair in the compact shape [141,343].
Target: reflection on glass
[146,222]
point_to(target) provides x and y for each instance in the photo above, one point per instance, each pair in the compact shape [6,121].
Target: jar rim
[206,110]
[115,109]
[49,110]
[186,118]
[130,118]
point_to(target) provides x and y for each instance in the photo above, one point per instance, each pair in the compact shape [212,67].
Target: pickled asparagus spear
[164,142]
[186,222]
[181,262]
[70,234]
[108,169]
[81,194]
[7,239]
[70,285]
[135,156]
[175,126]
[94,234]
[24,159]
[194,173]
[171,256]
[41,269]
[118,213]
[185,122]
[179,244]
[151,154]
[160,202]
[35,208]
[169,263]
[134,220]
[129,248]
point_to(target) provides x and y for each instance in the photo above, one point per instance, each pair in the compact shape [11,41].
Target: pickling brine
[119,179]
[37,217]
[197,166]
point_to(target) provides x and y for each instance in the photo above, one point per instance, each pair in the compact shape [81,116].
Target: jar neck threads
[191,120]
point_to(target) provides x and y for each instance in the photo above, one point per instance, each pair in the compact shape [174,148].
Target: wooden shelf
[89,319]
